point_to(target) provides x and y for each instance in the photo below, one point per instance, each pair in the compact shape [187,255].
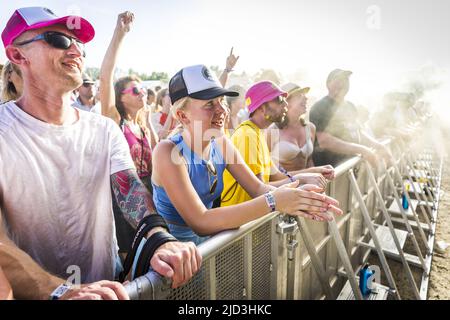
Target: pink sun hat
[30,18]
[260,93]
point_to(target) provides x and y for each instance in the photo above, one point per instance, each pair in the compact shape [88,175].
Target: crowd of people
[114,178]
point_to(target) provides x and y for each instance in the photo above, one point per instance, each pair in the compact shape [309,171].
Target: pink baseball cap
[260,93]
[30,18]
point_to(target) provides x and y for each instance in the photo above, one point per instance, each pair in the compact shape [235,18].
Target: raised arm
[107,95]
[229,65]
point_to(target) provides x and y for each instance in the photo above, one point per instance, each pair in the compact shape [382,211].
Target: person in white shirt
[58,166]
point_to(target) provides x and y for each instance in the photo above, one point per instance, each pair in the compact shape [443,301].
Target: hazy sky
[377,39]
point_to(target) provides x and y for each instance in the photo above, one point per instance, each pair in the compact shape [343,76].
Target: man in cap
[86,96]
[58,166]
[266,104]
[338,134]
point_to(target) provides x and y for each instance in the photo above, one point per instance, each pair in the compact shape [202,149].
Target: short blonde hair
[179,105]
[9,90]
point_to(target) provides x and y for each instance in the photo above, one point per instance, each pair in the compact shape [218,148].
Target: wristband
[270,200]
[59,291]
[154,242]
[228,70]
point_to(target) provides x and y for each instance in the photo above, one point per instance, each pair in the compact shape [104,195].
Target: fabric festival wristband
[270,200]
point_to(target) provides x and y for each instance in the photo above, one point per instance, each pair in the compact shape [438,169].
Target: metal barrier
[280,257]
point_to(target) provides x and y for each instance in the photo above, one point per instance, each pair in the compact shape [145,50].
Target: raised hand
[124,22]
[231,61]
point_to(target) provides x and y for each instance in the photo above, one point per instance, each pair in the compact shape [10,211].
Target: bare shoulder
[163,150]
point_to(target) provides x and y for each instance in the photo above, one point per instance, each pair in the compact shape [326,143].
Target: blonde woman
[188,168]
[293,144]
[11,82]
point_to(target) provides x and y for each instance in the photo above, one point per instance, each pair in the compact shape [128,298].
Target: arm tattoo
[133,198]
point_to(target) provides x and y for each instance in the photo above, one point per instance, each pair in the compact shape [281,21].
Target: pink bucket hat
[30,18]
[260,93]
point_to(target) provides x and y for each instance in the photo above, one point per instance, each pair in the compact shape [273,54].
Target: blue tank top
[200,177]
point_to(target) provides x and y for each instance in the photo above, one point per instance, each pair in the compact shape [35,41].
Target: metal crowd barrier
[279,257]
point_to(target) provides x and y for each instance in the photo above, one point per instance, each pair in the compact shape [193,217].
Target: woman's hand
[327,171]
[231,61]
[305,201]
[312,178]
[124,22]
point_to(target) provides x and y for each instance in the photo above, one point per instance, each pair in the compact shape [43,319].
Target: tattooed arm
[133,198]
[176,260]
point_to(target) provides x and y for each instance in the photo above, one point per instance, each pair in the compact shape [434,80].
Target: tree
[267,74]
[93,72]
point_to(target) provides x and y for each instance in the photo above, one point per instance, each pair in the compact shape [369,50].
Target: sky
[381,41]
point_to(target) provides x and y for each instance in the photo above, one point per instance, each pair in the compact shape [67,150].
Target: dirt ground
[439,283]
[439,286]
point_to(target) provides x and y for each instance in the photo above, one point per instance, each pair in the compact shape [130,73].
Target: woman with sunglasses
[11,82]
[124,102]
[188,168]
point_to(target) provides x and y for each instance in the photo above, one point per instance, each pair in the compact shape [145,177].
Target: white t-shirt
[55,190]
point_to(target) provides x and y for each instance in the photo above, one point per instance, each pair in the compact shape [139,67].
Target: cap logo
[248,101]
[206,74]
[49,11]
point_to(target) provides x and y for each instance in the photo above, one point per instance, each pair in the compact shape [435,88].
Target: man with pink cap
[58,165]
[266,104]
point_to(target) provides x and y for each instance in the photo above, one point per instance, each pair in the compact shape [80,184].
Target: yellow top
[252,145]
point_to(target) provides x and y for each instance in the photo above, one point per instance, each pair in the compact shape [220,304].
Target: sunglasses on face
[87,85]
[134,90]
[279,100]
[212,170]
[57,40]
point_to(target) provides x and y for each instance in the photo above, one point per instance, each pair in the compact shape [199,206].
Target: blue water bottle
[364,276]
[405,203]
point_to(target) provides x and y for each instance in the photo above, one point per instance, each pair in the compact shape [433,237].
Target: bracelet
[228,70]
[287,174]
[270,200]
[154,242]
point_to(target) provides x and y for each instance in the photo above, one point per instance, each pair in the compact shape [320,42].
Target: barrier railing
[270,259]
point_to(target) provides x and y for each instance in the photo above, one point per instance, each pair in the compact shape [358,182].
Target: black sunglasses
[279,99]
[87,84]
[212,170]
[56,40]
